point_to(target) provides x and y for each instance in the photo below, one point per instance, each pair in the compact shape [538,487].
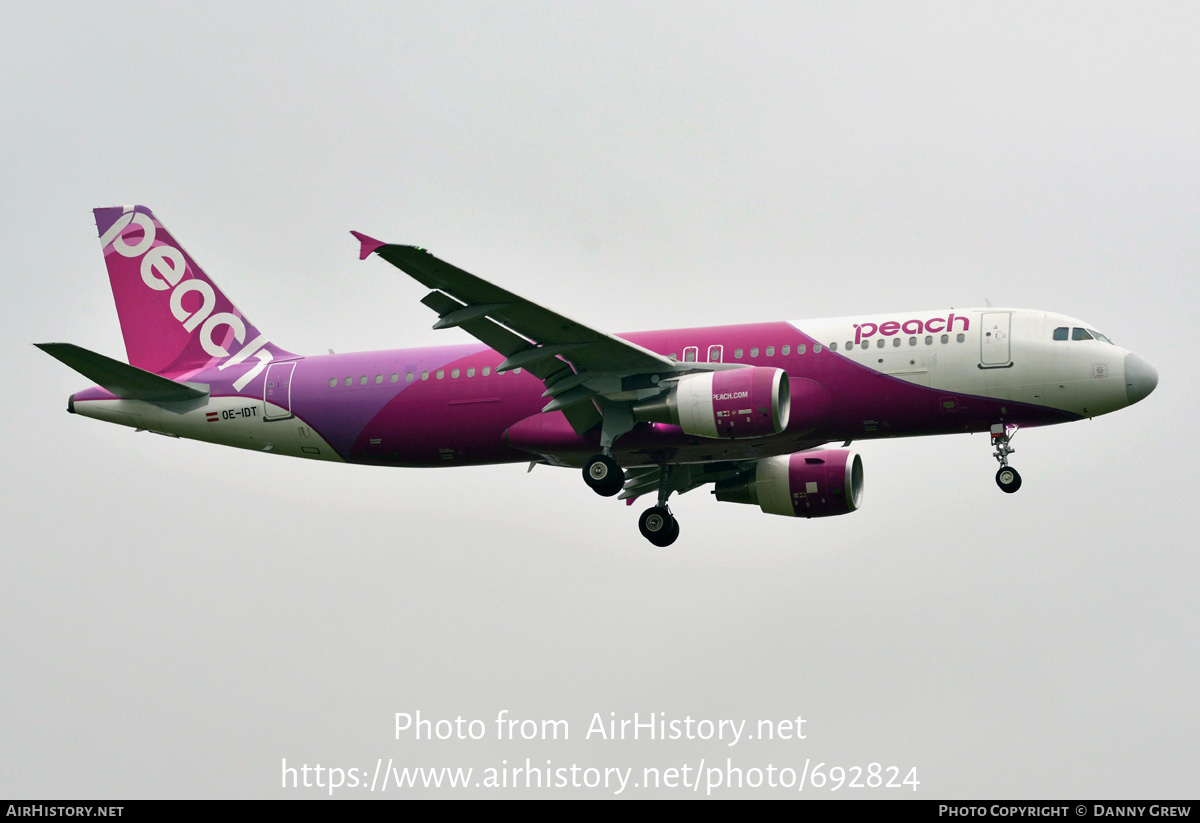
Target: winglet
[369,244]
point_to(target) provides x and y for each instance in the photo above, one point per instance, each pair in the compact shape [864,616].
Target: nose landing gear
[1007,477]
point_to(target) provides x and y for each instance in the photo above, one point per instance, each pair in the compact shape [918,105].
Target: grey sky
[175,618]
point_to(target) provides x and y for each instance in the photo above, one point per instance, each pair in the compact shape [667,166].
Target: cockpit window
[1061,333]
[1100,337]
[1080,334]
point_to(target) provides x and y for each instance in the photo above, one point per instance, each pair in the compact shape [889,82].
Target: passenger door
[995,351]
[277,392]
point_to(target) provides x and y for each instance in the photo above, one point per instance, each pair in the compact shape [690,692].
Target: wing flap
[583,416]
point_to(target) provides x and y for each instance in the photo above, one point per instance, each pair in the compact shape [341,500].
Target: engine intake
[819,483]
[750,402]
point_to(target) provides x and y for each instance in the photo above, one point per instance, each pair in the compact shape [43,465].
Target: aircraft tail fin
[121,379]
[174,318]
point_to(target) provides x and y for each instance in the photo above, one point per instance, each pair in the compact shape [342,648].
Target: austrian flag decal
[211,417]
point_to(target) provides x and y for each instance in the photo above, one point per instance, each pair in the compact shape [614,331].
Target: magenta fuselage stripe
[497,419]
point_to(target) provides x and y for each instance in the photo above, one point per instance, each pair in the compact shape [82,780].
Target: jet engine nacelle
[750,402]
[818,483]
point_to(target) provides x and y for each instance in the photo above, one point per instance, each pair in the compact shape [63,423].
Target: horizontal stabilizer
[121,379]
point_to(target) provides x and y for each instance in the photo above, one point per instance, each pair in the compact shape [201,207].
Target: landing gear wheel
[604,475]
[1008,480]
[659,526]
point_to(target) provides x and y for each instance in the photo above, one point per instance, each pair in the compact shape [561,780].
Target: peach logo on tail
[164,267]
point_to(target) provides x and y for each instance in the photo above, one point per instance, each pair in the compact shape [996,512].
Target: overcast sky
[177,618]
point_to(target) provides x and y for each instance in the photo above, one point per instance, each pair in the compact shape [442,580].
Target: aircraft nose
[1140,378]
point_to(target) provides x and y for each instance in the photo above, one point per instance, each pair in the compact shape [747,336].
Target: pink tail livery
[173,317]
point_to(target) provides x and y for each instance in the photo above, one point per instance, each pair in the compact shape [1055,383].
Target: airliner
[763,412]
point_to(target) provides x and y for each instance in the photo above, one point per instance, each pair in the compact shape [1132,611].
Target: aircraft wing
[476,299]
[530,336]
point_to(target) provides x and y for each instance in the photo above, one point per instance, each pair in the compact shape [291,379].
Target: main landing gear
[1007,477]
[604,475]
[659,526]
[601,471]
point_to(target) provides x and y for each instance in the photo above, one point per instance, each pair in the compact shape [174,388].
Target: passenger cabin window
[408,377]
[424,375]
[962,338]
[787,350]
[471,372]
[816,348]
[833,346]
[737,354]
[1080,334]
[454,374]
[332,382]
[487,370]
[690,354]
[802,348]
[945,338]
[770,351]
[395,377]
[378,379]
[714,354]
[754,351]
[1060,333]
[349,380]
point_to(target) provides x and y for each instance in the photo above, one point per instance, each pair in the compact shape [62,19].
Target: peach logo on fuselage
[891,328]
